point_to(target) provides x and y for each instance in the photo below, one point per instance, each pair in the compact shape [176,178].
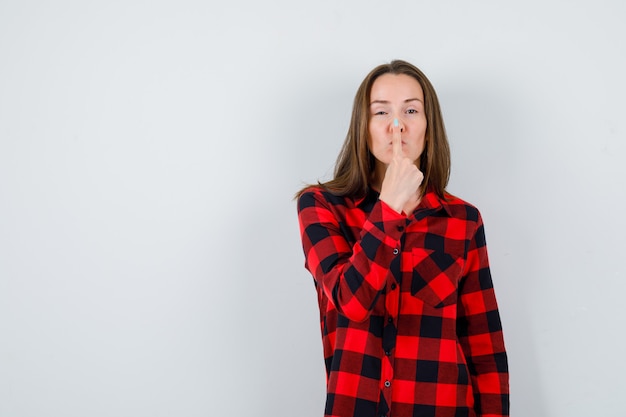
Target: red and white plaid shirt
[409,320]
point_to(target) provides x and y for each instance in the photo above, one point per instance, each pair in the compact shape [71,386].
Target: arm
[480,331]
[351,276]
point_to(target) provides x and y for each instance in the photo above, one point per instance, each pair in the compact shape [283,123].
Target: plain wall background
[150,261]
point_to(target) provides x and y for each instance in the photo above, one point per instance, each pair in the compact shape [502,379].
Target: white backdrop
[150,262]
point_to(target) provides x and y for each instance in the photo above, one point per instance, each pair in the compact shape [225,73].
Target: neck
[376,179]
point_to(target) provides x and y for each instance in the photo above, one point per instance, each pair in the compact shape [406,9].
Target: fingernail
[396,123]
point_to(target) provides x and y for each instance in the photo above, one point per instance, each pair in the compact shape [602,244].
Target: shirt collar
[430,200]
[369,198]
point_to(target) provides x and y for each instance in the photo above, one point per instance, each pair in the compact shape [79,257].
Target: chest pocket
[436,277]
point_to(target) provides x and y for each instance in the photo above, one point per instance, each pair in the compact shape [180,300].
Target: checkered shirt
[409,320]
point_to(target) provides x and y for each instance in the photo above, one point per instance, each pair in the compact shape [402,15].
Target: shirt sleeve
[351,275]
[480,331]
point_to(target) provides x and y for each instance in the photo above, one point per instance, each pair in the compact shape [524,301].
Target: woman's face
[396,96]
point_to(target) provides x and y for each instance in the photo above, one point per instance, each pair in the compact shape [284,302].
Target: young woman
[409,320]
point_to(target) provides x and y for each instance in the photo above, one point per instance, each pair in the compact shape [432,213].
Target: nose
[397,122]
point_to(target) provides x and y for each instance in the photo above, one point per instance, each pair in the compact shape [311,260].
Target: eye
[380,113]
[412,111]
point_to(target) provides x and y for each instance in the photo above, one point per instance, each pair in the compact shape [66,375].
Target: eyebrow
[387,102]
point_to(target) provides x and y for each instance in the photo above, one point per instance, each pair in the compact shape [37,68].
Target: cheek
[420,132]
[373,137]
[377,133]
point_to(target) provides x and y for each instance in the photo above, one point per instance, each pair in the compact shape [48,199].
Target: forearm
[480,332]
[351,272]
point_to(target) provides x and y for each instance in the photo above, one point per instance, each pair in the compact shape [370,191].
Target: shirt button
[393,286]
[387,384]
[396,251]
[400,228]
[390,319]
[387,353]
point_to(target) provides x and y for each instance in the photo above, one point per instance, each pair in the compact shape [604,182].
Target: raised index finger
[396,140]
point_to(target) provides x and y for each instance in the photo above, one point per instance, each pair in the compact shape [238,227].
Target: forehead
[396,86]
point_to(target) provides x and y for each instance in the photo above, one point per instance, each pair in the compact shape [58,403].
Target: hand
[400,187]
